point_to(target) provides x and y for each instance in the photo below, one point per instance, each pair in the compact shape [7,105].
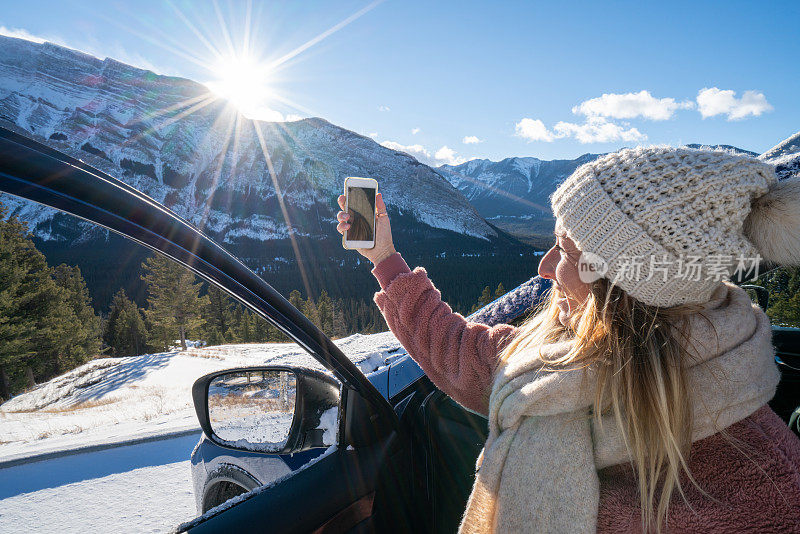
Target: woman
[635,400]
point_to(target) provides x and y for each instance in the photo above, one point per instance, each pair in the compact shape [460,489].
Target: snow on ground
[115,399]
[138,488]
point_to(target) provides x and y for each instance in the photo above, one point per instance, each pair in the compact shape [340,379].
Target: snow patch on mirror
[329,424]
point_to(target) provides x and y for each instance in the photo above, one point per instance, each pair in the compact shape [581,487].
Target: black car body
[405,454]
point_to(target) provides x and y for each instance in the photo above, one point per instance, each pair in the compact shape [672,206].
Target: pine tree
[173,299]
[338,322]
[486,297]
[111,320]
[784,288]
[261,329]
[242,325]
[233,333]
[131,330]
[785,310]
[214,337]
[46,324]
[783,285]
[78,336]
[125,331]
[217,315]
[311,311]
[296,299]
[500,291]
[21,266]
[325,312]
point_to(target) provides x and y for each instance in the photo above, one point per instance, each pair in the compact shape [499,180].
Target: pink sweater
[754,484]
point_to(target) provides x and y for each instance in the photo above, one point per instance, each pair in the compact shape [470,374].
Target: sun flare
[244,82]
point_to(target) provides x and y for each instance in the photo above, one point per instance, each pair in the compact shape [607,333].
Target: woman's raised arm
[457,355]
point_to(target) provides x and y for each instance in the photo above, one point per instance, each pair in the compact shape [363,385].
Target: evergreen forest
[52,321]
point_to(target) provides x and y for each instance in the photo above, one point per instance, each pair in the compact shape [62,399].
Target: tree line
[783,285]
[180,306]
[48,325]
[487,296]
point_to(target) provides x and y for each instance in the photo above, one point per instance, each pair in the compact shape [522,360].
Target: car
[388,452]
[220,472]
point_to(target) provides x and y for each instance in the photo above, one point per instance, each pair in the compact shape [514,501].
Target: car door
[357,485]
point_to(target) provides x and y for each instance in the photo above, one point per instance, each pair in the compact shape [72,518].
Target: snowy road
[136,488]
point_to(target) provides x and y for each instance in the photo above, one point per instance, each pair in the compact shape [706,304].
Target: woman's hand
[384,247]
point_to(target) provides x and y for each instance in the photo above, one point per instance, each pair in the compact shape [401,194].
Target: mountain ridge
[173,139]
[513,193]
[264,190]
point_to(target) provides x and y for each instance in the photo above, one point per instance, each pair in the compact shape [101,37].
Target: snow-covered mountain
[514,193]
[175,141]
[521,187]
[511,187]
[724,148]
[785,156]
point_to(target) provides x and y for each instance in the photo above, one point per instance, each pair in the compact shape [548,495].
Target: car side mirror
[272,409]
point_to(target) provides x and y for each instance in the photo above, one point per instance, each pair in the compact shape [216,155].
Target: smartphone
[359,194]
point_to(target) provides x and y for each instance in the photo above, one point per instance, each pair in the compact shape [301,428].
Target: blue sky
[458,80]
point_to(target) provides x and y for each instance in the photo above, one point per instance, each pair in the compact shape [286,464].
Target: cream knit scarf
[538,469]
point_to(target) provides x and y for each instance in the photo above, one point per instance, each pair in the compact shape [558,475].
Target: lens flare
[244,82]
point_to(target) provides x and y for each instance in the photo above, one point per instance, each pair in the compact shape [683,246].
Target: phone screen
[361,207]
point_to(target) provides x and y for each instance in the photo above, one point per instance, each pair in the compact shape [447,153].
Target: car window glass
[100,343]
[783,286]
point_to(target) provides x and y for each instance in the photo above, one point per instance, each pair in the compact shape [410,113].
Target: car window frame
[33,171]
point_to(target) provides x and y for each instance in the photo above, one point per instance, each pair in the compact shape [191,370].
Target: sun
[245,82]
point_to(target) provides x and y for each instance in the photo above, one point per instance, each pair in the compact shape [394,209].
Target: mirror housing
[312,426]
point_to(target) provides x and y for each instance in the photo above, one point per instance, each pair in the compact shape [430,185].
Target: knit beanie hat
[667,224]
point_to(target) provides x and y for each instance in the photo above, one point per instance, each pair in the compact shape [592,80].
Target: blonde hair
[642,380]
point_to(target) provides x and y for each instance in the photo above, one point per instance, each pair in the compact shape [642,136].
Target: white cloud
[444,155]
[714,101]
[291,117]
[471,140]
[597,130]
[533,130]
[594,130]
[418,151]
[448,155]
[373,135]
[383,108]
[415,131]
[631,106]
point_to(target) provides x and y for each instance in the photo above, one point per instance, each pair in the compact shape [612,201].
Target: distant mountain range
[724,148]
[267,190]
[178,143]
[514,193]
[785,156]
[513,186]
[173,140]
